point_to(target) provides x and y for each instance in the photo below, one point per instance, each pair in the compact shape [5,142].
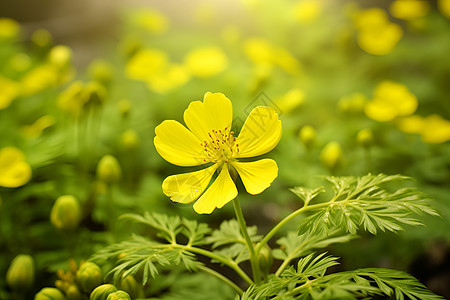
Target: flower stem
[285,221]
[223,278]
[219,258]
[253,253]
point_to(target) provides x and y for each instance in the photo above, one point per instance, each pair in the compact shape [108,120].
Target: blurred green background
[361,87]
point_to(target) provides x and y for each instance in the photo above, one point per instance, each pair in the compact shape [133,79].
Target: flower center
[220,147]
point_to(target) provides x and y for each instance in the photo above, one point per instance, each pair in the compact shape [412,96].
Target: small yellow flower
[291,100]
[14,170]
[151,20]
[444,7]
[307,11]
[9,91]
[9,28]
[435,130]
[208,139]
[391,100]
[409,9]
[34,130]
[206,62]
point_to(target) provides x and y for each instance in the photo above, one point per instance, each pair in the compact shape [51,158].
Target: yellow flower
[435,130]
[154,67]
[9,28]
[9,91]
[291,100]
[307,11]
[376,34]
[444,7]
[14,171]
[151,20]
[409,9]
[391,100]
[208,139]
[206,61]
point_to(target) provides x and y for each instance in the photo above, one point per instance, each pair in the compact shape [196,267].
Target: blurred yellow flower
[331,155]
[39,79]
[435,130]
[391,100]
[208,139]
[265,55]
[206,62]
[9,28]
[42,38]
[307,135]
[60,56]
[365,137]
[129,140]
[307,11]
[411,124]
[151,20]
[14,170]
[290,100]
[73,98]
[380,40]
[376,34]
[154,67]
[353,103]
[409,9]
[36,129]
[9,91]
[444,7]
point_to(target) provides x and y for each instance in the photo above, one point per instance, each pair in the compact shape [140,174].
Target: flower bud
[124,107]
[102,291]
[108,169]
[66,213]
[365,138]
[265,259]
[131,286]
[49,294]
[331,155]
[101,71]
[307,136]
[60,56]
[73,293]
[89,276]
[129,140]
[20,275]
[119,295]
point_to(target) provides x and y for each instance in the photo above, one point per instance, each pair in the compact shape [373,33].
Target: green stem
[295,290]
[285,221]
[253,253]
[231,264]
[223,278]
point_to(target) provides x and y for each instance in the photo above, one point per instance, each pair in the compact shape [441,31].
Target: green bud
[131,286]
[119,295]
[108,169]
[129,140]
[124,107]
[365,138]
[20,275]
[66,213]
[307,135]
[73,293]
[265,259]
[41,38]
[331,155]
[49,294]
[89,276]
[102,291]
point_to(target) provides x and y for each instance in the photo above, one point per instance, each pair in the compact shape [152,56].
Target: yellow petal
[215,112]
[187,187]
[9,156]
[222,191]
[176,144]
[14,171]
[261,132]
[258,175]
